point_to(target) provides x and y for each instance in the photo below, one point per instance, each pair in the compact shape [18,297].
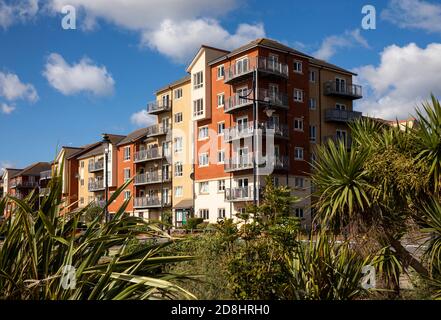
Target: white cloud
[83,76]
[331,44]
[175,28]
[142,119]
[404,78]
[12,88]
[19,11]
[179,40]
[6,109]
[146,14]
[4,165]
[414,14]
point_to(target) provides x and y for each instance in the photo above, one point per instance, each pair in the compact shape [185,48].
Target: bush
[192,223]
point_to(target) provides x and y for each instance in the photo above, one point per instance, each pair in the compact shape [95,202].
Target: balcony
[98,203]
[95,166]
[239,163]
[281,163]
[243,68]
[151,202]
[46,175]
[152,177]
[239,194]
[337,138]
[96,186]
[246,131]
[348,91]
[157,107]
[150,154]
[23,184]
[238,132]
[157,130]
[274,99]
[334,115]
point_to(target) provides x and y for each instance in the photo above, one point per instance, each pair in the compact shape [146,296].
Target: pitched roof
[115,138]
[98,150]
[262,42]
[175,83]
[133,136]
[325,64]
[83,149]
[33,169]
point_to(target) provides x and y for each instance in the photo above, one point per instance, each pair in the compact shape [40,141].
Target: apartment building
[91,172]
[126,158]
[286,99]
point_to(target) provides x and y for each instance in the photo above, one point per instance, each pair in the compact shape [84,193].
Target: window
[340,106]
[313,157]
[297,66]
[298,153]
[312,133]
[203,133]
[298,124]
[220,100]
[220,72]
[203,160]
[299,212]
[203,187]
[82,165]
[312,76]
[82,182]
[178,144]
[299,182]
[298,95]
[220,185]
[82,200]
[220,156]
[221,213]
[220,128]
[178,169]
[204,214]
[178,93]
[127,194]
[178,117]
[242,210]
[198,80]
[141,215]
[198,107]
[126,153]
[126,174]
[312,103]
[179,191]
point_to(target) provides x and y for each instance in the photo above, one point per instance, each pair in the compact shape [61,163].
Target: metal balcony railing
[157,129]
[96,165]
[274,99]
[280,130]
[238,132]
[235,102]
[341,115]
[146,202]
[150,154]
[152,177]
[45,175]
[243,67]
[239,194]
[23,184]
[44,191]
[239,163]
[96,185]
[159,106]
[351,91]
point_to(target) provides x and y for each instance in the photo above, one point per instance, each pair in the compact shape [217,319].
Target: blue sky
[65,87]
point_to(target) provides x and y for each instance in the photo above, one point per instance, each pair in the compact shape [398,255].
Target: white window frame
[312,106]
[177,143]
[127,155]
[203,129]
[204,156]
[220,132]
[221,160]
[125,175]
[178,93]
[300,185]
[221,185]
[223,211]
[220,100]
[297,63]
[179,168]
[179,194]
[299,212]
[299,124]
[204,214]
[222,76]
[127,194]
[296,92]
[301,150]
[312,79]
[202,189]
[178,117]
[313,133]
[198,107]
[198,80]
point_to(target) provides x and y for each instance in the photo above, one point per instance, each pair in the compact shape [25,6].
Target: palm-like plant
[40,243]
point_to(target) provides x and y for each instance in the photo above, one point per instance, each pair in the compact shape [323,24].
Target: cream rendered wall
[213,200]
